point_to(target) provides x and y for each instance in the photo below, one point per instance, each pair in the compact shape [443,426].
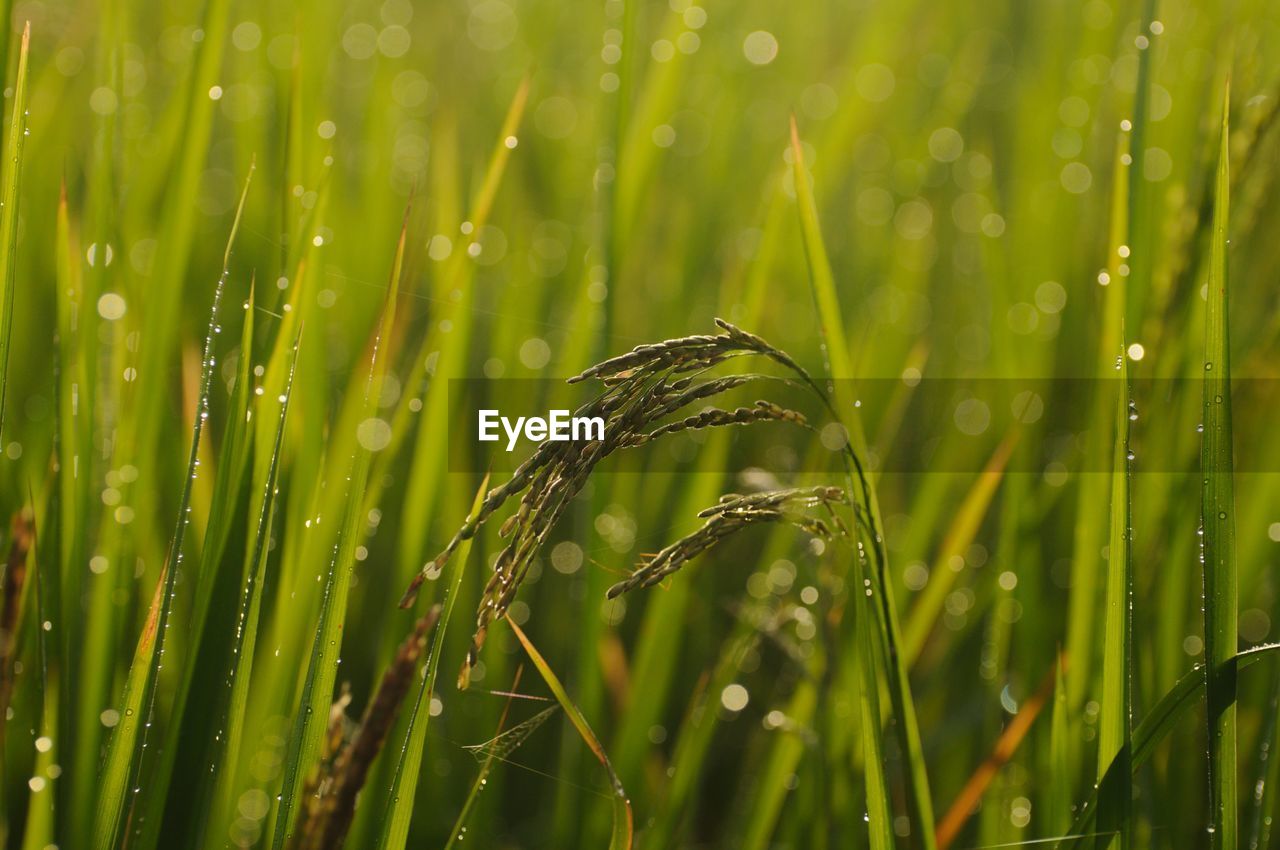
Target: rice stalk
[641,386]
[10,175]
[1115,720]
[733,514]
[1218,508]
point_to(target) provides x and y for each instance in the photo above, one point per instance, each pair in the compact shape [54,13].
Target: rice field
[936,502]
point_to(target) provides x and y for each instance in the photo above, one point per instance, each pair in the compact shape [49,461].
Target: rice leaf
[966,520]
[228,478]
[1060,790]
[1115,719]
[620,839]
[10,176]
[39,830]
[230,731]
[503,743]
[919,802]
[308,730]
[1218,513]
[400,797]
[124,770]
[1098,820]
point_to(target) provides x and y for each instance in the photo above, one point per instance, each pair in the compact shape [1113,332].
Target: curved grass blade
[1218,510]
[622,816]
[9,212]
[1096,820]
[122,775]
[317,691]
[399,812]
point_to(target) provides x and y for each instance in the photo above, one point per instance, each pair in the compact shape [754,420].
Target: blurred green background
[586,178]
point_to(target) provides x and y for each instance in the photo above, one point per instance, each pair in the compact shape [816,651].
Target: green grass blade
[1116,709]
[881,606]
[317,690]
[39,830]
[1264,794]
[233,456]
[123,772]
[622,816]
[1060,790]
[459,831]
[225,757]
[960,534]
[689,758]
[1218,509]
[1095,819]
[15,141]
[399,801]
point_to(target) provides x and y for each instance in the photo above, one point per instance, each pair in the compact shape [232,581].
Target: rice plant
[934,503]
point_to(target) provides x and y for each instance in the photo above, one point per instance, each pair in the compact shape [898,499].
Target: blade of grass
[1093,494]
[622,816]
[1218,510]
[1264,793]
[225,758]
[1115,719]
[482,778]
[919,803]
[400,797]
[74,504]
[123,771]
[11,174]
[233,457]
[1154,728]
[968,517]
[1058,795]
[317,692]
[39,830]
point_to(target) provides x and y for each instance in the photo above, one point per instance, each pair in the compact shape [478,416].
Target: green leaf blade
[1218,511]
